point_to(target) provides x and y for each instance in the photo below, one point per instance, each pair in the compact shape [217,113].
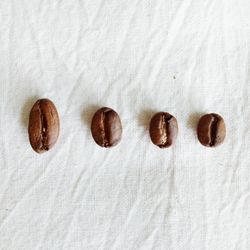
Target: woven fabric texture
[185,57]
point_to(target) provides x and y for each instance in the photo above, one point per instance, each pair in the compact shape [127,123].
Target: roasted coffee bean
[211,130]
[163,129]
[44,125]
[106,127]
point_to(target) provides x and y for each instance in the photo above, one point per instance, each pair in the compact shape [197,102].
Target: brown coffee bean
[163,129]
[211,130]
[44,125]
[106,127]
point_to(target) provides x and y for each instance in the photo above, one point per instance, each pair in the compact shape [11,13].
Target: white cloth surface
[186,57]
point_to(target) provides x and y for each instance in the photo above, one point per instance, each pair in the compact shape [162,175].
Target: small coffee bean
[163,129]
[106,127]
[44,125]
[211,130]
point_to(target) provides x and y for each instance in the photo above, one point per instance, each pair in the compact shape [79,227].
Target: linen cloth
[185,57]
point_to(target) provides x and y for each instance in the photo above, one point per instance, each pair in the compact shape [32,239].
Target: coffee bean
[44,125]
[211,130]
[163,129]
[106,127]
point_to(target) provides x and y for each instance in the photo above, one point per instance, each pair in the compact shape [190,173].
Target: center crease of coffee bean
[43,130]
[165,125]
[105,129]
[213,132]
[164,137]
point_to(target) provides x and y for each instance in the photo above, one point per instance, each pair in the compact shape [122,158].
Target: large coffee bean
[106,127]
[211,130]
[44,125]
[163,129]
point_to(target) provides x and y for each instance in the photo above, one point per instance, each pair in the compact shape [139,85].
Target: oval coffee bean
[211,130]
[44,125]
[163,129]
[106,127]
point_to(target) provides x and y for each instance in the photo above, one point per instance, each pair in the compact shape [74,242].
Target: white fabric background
[187,57]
